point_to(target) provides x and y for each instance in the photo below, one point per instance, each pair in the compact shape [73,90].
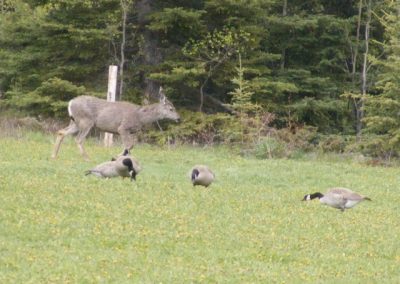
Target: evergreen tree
[308,78]
[242,95]
[383,109]
[300,56]
[48,42]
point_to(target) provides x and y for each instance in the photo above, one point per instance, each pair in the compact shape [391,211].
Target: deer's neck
[149,113]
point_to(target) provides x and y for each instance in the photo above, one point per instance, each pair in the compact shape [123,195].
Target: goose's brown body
[201,175]
[338,197]
[123,166]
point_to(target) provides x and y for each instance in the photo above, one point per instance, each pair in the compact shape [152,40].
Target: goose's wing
[211,172]
[206,170]
[95,173]
[334,199]
[353,196]
[347,194]
[340,190]
[121,168]
[106,169]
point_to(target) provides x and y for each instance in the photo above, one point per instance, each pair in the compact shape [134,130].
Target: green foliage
[269,148]
[48,100]
[242,94]
[179,75]
[383,109]
[63,39]
[196,128]
[333,143]
[214,50]
[217,46]
[177,24]
[299,58]
[325,113]
[376,147]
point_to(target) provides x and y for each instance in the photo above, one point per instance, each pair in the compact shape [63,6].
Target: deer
[121,118]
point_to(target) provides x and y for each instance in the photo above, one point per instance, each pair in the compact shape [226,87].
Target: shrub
[333,143]
[208,129]
[50,99]
[195,128]
[301,138]
[270,147]
[375,146]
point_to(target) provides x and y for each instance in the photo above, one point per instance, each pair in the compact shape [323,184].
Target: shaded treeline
[316,63]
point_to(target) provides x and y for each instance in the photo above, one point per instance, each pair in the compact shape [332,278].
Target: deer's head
[167,108]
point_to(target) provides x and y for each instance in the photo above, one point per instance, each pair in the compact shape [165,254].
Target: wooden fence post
[112,87]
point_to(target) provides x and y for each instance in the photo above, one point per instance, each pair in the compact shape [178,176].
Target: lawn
[58,225]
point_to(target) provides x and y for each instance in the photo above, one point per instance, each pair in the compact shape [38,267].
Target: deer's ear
[162,96]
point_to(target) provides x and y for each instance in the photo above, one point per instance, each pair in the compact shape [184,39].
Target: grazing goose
[338,197]
[123,166]
[201,175]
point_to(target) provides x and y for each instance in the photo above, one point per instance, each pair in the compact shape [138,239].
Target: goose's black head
[312,196]
[128,163]
[195,174]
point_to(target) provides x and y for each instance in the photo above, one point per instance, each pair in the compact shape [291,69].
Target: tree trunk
[355,52]
[209,74]
[360,104]
[152,55]
[356,110]
[124,8]
[283,54]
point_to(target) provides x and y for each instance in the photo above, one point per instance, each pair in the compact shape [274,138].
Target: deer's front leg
[127,139]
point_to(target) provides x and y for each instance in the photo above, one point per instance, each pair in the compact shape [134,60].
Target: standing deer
[121,118]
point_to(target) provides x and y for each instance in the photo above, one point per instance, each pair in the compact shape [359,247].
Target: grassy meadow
[59,226]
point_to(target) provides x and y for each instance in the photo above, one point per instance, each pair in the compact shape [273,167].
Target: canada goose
[123,166]
[338,197]
[201,175]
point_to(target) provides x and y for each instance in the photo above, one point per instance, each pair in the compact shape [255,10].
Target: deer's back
[106,116]
[85,107]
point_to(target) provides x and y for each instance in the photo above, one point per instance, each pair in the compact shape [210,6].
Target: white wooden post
[112,87]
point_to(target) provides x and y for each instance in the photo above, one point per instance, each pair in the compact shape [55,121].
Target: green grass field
[59,226]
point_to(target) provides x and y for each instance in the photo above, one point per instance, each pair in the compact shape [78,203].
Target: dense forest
[322,72]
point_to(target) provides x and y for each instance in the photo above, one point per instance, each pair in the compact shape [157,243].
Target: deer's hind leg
[72,128]
[80,138]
